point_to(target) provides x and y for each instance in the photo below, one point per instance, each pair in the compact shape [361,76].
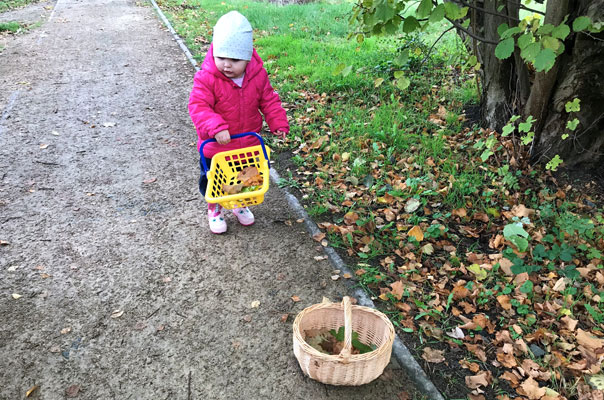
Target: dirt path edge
[399,350]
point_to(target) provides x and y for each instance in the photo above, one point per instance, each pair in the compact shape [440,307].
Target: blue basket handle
[203,159]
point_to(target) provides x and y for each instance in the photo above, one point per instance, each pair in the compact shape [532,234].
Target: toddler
[229,93]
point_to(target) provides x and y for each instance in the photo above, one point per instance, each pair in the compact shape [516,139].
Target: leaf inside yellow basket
[232,189]
[247,173]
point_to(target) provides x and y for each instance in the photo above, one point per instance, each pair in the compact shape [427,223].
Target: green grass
[12,26]
[6,5]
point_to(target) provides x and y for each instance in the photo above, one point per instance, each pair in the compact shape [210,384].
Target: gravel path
[124,293]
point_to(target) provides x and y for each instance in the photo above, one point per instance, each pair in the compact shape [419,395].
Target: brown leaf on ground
[504,301]
[72,391]
[472,366]
[350,218]
[521,211]
[317,237]
[480,216]
[398,288]
[569,323]
[512,377]
[589,341]
[295,298]
[460,212]
[433,355]
[530,388]
[481,379]
[477,350]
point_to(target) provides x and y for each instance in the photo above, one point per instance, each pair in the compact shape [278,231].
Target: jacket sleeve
[270,106]
[201,108]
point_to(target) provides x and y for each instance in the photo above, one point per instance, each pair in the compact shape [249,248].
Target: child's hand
[223,137]
[280,134]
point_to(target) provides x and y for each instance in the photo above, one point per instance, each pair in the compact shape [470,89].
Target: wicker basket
[345,368]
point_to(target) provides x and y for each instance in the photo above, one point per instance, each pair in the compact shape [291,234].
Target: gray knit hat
[233,37]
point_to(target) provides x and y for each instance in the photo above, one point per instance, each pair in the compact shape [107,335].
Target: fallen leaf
[521,211]
[335,277]
[412,205]
[284,317]
[16,296]
[117,313]
[479,272]
[597,381]
[417,233]
[31,390]
[531,389]
[295,299]
[4,243]
[72,391]
[398,288]
[433,355]
[317,237]
[255,304]
[475,381]
[504,301]
[456,333]
[150,180]
[65,330]
[569,323]
[428,249]
[55,133]
[460,212]
[43,146]
[589,341]
[350,218]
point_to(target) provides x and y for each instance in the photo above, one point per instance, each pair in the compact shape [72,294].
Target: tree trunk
[499,89]
[580,75]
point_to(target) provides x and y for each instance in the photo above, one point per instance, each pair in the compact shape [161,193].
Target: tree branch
[433,44]
[486,11]
[519,4]
[471,34]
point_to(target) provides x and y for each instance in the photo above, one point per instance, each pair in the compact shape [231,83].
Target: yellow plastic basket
[226,166]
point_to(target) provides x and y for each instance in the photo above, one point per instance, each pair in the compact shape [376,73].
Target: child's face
[230,67]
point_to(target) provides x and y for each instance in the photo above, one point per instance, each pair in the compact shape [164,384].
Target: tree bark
[500,77]
[580,75]
[544,82]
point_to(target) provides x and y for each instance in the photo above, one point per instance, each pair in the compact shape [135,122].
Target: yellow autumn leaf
[479,272]
[417,233]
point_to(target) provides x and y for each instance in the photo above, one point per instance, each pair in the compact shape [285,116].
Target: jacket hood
[253,67]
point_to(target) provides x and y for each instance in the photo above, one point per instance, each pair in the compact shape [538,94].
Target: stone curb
[399,350]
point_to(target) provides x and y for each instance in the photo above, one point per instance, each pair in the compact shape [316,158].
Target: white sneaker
[216,219]
[244,216]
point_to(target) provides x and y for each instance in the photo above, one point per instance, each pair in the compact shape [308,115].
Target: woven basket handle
[346,351]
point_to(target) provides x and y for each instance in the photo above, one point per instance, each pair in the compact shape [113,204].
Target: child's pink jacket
[217,103]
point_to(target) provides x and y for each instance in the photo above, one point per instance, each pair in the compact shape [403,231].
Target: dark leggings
[203,179]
